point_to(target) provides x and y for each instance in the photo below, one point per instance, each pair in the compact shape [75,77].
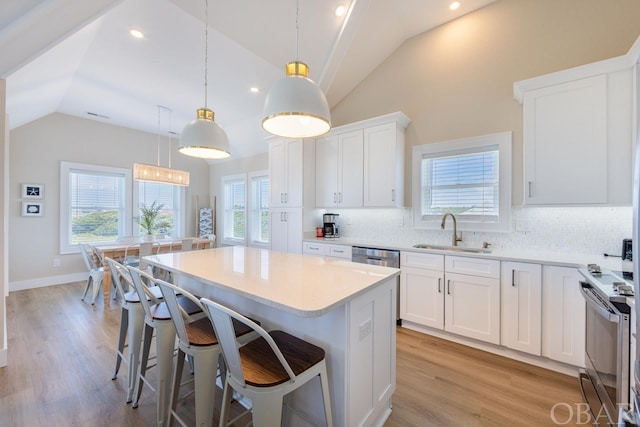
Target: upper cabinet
[339,164]
[362,164]
[286,169]
[578,134]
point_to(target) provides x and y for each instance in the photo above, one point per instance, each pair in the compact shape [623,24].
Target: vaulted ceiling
[77,56]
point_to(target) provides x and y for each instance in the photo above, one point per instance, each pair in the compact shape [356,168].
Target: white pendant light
[145,172]
[295,106]
[203,137]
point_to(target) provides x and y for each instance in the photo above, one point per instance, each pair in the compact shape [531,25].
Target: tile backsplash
[585,230]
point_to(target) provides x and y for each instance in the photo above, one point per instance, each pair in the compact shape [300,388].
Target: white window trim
[65,221]
[225,240]
[504,141]
[250,177]
[180,226]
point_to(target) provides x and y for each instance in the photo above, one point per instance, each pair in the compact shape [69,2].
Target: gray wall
[36,151]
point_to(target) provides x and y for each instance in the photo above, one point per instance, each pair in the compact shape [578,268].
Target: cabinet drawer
[422,260]
[472,266]
[319,249]
[340,251]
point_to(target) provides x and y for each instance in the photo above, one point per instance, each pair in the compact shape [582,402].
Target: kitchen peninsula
[348,309]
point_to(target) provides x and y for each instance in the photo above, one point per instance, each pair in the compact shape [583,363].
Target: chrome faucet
[455,239]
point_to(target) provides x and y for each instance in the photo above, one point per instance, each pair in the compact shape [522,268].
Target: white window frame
[65,219]
[179,226]
[251,229]
[503,142]
[228,240]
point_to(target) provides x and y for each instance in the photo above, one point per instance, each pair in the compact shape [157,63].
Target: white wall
[36,151]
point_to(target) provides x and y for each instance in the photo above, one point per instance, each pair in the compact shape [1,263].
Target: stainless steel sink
[453,248]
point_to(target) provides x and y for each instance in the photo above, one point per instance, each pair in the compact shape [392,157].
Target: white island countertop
[302,285]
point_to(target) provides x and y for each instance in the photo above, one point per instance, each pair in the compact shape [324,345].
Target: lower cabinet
[327,250]
[438,297]
[521,286]
[286,229]
[563,315]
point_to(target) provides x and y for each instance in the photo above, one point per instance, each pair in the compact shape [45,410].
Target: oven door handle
[598,306]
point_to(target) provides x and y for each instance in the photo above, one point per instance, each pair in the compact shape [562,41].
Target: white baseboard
[47,281]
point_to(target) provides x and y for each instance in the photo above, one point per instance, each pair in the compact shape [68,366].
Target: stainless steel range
[605,381]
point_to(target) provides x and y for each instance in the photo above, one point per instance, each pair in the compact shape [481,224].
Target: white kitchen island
[346,308]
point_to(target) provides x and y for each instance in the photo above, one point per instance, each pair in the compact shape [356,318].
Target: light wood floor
[61,357]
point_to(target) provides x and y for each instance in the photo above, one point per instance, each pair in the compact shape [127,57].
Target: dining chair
[158,319]
[197,340]
[96,272]
[265,369]
[131,323]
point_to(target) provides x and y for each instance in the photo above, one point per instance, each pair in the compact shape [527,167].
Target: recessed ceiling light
[254,90]
[339,10]
[136,33]
[454,5]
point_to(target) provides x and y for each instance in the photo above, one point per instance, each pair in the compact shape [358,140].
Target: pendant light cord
[297,26]
[206,47]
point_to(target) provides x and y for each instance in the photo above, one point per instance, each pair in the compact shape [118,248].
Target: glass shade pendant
[203,137]
[295,106]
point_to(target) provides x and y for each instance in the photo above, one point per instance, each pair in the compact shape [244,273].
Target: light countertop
[303,285]
[562,259]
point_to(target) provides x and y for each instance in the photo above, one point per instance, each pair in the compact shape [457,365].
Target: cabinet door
[327,171]
[293,220]
[565,134]
[563,315]
[350,171]
[317,249]
[472,307]
[422,296]
[278,228]
[382,164]
[521,302]
[277,173]
[295,160]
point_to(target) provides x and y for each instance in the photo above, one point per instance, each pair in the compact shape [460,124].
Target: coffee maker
[330,225]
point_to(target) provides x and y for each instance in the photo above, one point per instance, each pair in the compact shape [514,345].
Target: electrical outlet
[365,329]
[56,262]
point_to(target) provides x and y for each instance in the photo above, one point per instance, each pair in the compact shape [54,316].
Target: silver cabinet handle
[393,195]
[286,197]
[311,248]
[281,197]
[281,216]
[448,287]
[513,277]
[340,197]
[439,283]
[335,197]
[338,251]
[530,183]
[286,216]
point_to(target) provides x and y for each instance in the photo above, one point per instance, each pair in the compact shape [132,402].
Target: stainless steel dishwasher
[383,257]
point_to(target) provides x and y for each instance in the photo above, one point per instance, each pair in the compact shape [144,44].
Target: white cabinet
[462,298]
[384,165]
[339,170]
[563,315]
[421,289]
[286,172]
[286,230]
[472,299]
[328,250]
[521,302]
[565,132]
[362,164]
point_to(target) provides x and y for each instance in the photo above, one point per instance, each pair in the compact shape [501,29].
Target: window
[259,214]
[246,209]
[93,204]
[235,195]
[170,220]
[470,178]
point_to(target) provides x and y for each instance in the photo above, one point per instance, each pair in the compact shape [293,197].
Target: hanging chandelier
[203,137]
[295,106]
[153,173]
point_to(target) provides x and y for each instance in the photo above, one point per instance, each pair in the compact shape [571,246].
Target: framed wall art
[31,209]
[32,191]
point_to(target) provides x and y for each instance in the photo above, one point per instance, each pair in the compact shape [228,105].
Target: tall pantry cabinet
[291,163]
